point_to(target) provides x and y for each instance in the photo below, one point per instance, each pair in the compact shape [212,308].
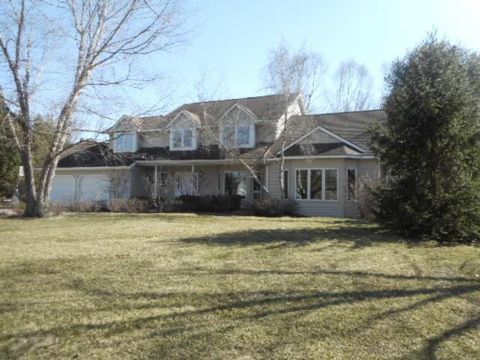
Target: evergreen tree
[9,157]
[430,144]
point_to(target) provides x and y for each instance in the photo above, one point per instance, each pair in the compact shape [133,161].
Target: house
[215,147]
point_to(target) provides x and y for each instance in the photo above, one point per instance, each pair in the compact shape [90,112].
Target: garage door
[93,187]
[63,188]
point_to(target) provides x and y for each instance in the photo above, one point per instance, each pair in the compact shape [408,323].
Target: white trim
[251,126]
[309,185]
[186,113]
[326,132]
[241,108]
[183,148]
[195,121]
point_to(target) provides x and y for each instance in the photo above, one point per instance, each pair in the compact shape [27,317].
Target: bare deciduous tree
[90,45]
[118,184]
[353,88]
[157,188]
[211,132]
[289,73]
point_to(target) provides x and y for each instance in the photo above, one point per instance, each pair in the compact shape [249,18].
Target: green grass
[108,286]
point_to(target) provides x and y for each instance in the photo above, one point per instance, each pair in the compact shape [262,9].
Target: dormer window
[125,142]
[183,131]
[238,135]
[182,139]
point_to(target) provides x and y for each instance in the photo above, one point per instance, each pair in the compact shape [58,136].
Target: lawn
[106,286]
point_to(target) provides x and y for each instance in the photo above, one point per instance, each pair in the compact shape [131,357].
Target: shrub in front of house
[208,203]
[367,198]
[132,205]
[268,206]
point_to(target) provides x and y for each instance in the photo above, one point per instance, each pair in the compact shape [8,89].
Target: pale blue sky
[232,39]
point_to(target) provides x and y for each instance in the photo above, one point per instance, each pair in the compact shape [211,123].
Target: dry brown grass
[185,286]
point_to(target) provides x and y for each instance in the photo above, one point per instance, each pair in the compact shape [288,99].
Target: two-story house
[215,147]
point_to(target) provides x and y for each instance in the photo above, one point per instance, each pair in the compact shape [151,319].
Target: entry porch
[171,180]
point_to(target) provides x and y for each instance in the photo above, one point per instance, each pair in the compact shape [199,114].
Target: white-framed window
[351,184]
[240,135]
[125,142]
[235,183]
[182,138]
[316,184]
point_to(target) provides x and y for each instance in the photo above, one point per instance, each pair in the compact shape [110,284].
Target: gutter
[350,157]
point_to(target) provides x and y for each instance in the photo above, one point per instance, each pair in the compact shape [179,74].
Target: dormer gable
[183,131]
[237,127]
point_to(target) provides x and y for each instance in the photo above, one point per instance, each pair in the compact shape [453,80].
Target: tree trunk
[29,180]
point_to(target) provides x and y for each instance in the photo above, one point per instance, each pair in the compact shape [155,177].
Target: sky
[230,40]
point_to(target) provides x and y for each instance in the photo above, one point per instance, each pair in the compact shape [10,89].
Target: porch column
[155,181]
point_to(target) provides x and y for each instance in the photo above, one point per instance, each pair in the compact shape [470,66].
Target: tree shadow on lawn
[187,316]
[356,236]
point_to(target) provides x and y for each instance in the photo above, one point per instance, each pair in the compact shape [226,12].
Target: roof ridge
[233,99]
[341,112]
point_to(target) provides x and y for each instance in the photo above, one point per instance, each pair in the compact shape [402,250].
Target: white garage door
[93,187]
[63,188]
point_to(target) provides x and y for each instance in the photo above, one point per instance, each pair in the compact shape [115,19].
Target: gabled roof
[268,107]
[241,108]
[351,129]
[194,117]
[132,123]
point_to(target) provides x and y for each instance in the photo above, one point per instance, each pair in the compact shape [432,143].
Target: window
[229,136]
[243,135]
[238,135]
[236,183]
[182,139]
[285,184]
[352,184]
[330,184]
[126,142]
[316,184]
[302,184]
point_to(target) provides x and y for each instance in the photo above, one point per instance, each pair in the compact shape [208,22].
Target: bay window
[316,184]
[330,184]
[302,184]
